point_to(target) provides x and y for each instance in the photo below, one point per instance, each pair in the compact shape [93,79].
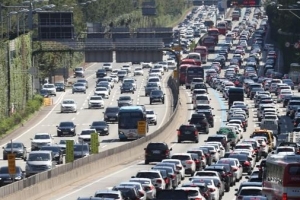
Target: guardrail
[60,176]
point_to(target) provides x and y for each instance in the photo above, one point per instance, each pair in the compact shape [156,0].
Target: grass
[181,18]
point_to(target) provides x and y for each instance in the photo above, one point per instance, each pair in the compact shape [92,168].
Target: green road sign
[69,151]
[94,143]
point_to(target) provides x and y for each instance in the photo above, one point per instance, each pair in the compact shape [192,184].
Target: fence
[41,183]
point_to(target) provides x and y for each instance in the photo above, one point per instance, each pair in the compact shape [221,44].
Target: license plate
[156,152]
[187,132]
[65,132]
[112,118]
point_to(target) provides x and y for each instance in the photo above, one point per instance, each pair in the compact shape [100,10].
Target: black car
[101,127]
[111,114]
[244,160]
[44,93]
[187,133]
[229,172]
[66,128]
[5,177]
[157,96]
[129,192]
[149,87]
[60,87]
[156,152]
[101,73]
[57,153]
[125,101]
[209,116]
[171,194]
[127,88]
[219,138]
[16,148]
[223,172]
[200,121]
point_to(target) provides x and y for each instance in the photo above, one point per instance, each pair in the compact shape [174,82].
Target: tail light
[203,157]
[234,169]
[166,180]
[178,132]
[178,167]
[196,133]
[246,163]
[212,189]
[141,193]
[167,152]
[284,196]
[189,162]
[172,176]
[198,199]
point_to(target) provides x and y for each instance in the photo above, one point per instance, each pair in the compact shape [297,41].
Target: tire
[145,94]
[163,102]
[178,141]
[146,162]
[155,123]
[196,141]
[4,157]
[150,102]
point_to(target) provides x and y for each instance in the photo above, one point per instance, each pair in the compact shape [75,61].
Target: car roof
[41,151]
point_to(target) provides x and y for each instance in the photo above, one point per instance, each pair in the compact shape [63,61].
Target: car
[50,88]
[111,114]
[121,74]
[138,71]
[44,93]
[95,102]
[156,152]
[201,122]
[192,192]
[84,81]
[155,175]
[151,117]
[248,191]
[81,150]
[101,127]
[5,176]
[18,148]
[154,80]
[60,87]
[68,105]
[107,66]
[127,88]
[124,101]
[106,84]
[101,73]
[157,96]
[66,128]
[151,86]
[39,161]
[78,72]
[115,78]
[130,81]
[108,194]
[147,65]
[235,165]
[85,136]
[57,152]
[187,160]
[101,91]
[41,139]
[187,132]
[63,144]
[78,88]
[148,186]
[137,185]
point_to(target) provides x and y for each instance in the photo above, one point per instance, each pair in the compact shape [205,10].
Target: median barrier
[47,182]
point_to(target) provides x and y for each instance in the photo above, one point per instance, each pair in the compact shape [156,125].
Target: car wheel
[145,94]
[84,92]
[146,162]
[178,141]
[196,141]
[150,102]
[72,92]
[4,157]
[163,102]
[155,123]
[132,92]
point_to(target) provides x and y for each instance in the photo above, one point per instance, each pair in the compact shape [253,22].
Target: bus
[128,119]
[294,72]
[210,43]
[235,94]
[194,71]
[281,177]
[214,32]
[203,52]
[182,73]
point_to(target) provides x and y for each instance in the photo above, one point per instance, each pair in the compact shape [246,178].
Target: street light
[9,21]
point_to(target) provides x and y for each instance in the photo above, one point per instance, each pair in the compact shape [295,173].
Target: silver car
[39,161]
[79,88]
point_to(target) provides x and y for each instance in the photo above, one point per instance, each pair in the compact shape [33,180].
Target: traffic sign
[287,44]
[177,48]
[11,163]
[33,71]
[296,45]
[69,151]
[142,127]
[175,73]
[94,143]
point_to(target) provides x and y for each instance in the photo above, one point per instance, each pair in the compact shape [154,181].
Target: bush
[15,119]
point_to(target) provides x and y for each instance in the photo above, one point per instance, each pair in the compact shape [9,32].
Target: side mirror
[189,120]
[133,177]
[190,179]
[236,189]
[145,149]
[205,140]
[31,139]
[171,149]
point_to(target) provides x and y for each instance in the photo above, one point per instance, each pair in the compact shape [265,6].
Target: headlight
[105,129]
[72,129]
[121,133]
[18,178]
[58,129]
[49,166]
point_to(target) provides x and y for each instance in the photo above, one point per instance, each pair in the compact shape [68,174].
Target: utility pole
[8,80]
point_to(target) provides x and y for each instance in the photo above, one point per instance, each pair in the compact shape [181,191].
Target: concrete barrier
[49,181]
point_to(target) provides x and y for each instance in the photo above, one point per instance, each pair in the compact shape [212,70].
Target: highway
[107,179]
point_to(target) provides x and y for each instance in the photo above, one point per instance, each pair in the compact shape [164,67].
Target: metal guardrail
[44,176]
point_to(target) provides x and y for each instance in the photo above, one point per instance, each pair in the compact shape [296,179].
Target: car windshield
[68,102]
[151,85]
[14,145]
[150,112]
[107,195]
[48,86]
[99,123]
[81,81]
[62,142]
[79,85]
[42,137]
[128,81]
[80,147]
[248,192]
[150,175]
[101,89]
[96,98]
[127,98]
[39,157]
[107,64]
[59,84]
[66,124]
[87,132]
[78,69]
[138,69]
[156,92]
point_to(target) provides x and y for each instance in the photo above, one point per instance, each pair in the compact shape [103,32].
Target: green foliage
[32,106]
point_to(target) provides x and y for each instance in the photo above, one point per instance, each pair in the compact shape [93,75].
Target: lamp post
[9,21]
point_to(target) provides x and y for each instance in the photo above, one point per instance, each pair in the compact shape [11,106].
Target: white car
[193,191]
[68,105]
[138,186]
[187,160]
[219,147]
[264,147]
[209,181]
[115,72]
[201,99]
[131,81]
[154,80]
[156,180]
[50,88]
[41,139]
[248,191]
[284,93]
[107,66]
[151,117]
[85,136]
[115,78]
[147,65]
[102,91]
[179,166]
[96,102]
[138,72]
[159,67]
[147,184]
[155,74]
[214,152]
[127,68]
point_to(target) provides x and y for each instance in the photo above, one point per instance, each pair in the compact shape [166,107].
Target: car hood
[85,136]
[96,101]
[150,115]
[68,105]
[98,127]
[42,141]
[47,162]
